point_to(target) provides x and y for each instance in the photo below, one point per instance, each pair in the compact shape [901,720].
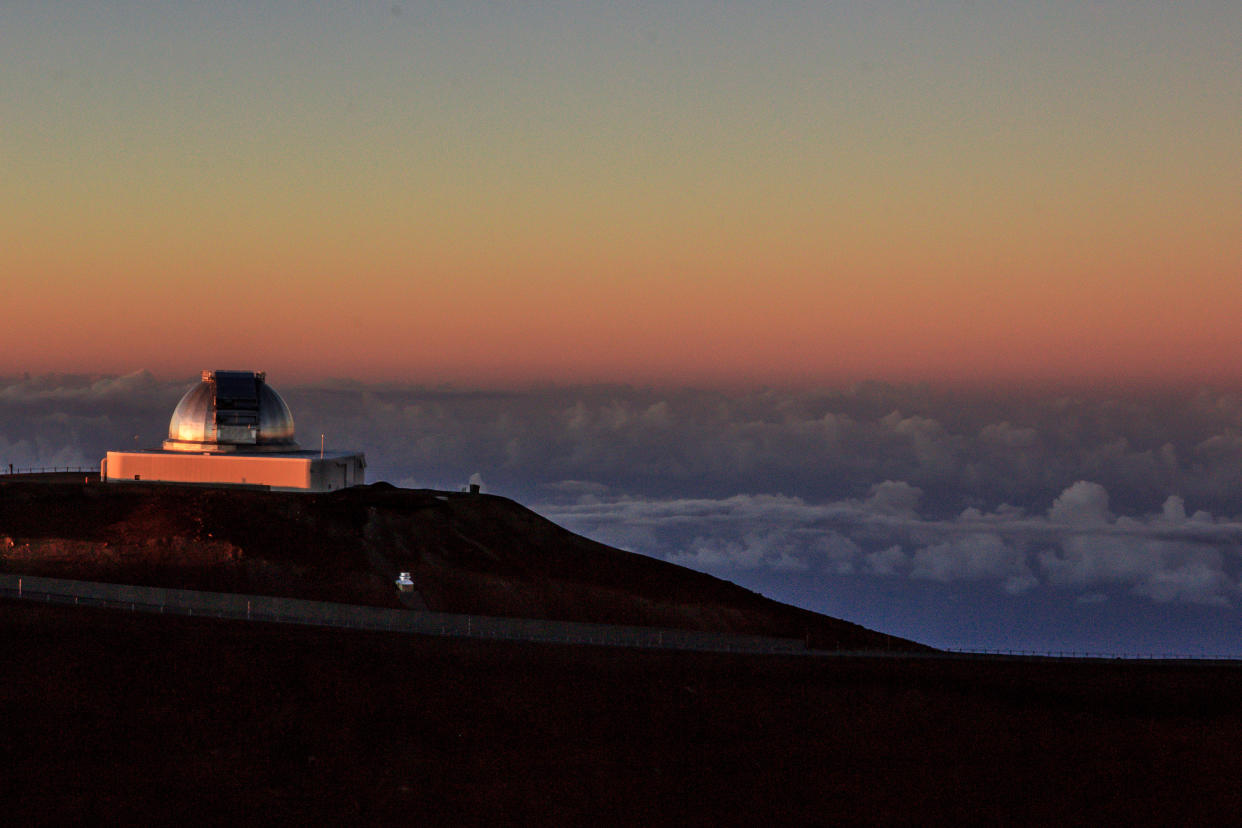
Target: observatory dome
[231,411]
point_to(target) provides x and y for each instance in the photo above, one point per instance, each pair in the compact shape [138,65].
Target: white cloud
[1174,510]
[974,557]
[836,554]
[1082,504]
[1196,581]
[891,560]
[137,386]
[893,497]
[769,550]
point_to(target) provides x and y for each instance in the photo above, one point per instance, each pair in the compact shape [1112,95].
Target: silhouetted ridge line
[467,554]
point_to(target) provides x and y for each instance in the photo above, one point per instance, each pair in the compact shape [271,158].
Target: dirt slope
[477,554]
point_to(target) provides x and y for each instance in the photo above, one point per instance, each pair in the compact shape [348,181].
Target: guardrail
[351,616]
[49,470]
[1099,655]
[266,608]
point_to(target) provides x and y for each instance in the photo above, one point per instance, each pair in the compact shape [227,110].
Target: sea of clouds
[1092,496]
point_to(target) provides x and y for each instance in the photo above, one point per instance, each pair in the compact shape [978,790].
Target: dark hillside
[476,554]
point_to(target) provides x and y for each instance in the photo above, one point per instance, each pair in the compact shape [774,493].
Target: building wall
[290,473]
[334,473]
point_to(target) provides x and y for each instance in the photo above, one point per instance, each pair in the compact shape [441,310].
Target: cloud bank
[1077,543]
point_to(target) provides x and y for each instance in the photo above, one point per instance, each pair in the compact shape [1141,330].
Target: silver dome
[231,411]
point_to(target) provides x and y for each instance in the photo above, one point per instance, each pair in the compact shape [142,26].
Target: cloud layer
[1075,544]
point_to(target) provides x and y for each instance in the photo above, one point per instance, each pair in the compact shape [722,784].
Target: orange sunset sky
[708,193]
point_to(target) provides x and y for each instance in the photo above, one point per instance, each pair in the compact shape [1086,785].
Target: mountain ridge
[467,553]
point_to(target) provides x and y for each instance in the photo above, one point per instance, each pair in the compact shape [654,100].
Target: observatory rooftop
[233,429]
[231,411]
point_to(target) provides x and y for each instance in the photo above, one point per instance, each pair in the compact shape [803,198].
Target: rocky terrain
[476,554]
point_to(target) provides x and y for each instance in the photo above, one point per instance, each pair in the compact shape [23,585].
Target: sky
[923,314]
[674,192]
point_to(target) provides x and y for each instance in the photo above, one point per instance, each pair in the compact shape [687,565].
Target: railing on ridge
[47,470]
[351,616]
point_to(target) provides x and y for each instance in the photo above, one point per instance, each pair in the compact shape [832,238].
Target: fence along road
[353,616]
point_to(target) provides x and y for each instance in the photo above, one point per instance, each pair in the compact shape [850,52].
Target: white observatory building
[233,429]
